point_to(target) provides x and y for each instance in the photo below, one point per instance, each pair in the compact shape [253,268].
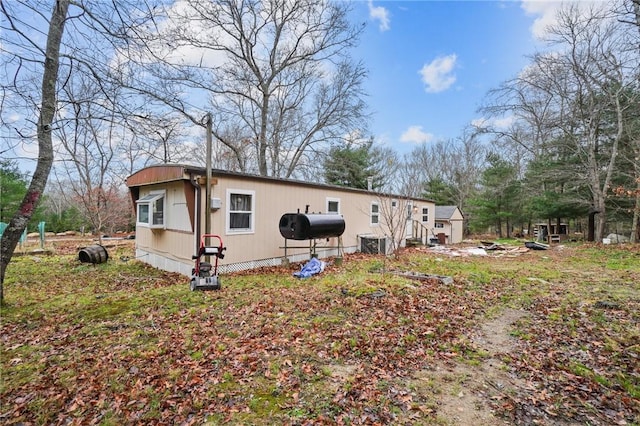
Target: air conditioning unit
[372,244]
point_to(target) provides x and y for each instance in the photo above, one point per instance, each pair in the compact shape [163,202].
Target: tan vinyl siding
[272,200]
[270,203]
[176,245]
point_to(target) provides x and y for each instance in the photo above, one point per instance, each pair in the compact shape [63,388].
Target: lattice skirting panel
[277,261]
[173,265]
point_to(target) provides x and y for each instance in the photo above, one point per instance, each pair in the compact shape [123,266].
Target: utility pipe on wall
[207,216]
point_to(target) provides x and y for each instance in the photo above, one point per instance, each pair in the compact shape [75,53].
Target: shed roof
[445,212]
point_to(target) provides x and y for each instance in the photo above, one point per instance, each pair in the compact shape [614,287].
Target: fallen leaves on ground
[126,344]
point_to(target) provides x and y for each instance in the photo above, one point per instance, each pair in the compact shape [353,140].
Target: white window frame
[425,214]
[375,214]
[333,200]
[394,204]
[150,201]
[439,225]
[251,212]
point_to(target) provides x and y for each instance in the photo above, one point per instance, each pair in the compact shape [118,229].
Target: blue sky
[431,62]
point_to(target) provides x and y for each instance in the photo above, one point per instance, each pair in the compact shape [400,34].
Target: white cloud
[379,13]
[546,12]
[438,75]
[415,134]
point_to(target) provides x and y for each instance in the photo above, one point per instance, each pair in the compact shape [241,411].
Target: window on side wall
[425,214]
[150,210]
[333,205]
[240,211]
[439,225]
[375,213]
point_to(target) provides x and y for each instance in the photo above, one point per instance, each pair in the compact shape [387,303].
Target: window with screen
[333,206]
[240,211]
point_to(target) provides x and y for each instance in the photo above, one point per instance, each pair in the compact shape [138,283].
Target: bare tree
[90,151]
[456,163]
[49,59]
[159,139]
[81,38]
[568,108]
[278,75]
[597,83]
[629,14]
[395,219]
[465,164]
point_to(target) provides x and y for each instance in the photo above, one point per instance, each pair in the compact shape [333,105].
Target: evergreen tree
[13,186]
[442,193]
[352,165]
[498,202]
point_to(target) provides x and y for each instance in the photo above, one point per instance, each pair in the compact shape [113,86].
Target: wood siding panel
[158,174]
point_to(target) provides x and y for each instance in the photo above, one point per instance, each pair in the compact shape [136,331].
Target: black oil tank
[309,226]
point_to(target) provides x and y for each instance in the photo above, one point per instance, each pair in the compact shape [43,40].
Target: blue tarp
[313,266]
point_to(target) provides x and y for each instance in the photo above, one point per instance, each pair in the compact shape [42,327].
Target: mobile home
[245,210]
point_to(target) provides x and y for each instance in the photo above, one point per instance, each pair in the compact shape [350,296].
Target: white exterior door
[409,227]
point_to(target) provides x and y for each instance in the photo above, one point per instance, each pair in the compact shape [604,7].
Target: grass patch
[110,342]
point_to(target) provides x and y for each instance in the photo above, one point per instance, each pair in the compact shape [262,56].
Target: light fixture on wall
[411,210]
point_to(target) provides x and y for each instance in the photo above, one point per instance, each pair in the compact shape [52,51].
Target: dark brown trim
[156,174]
[135,195]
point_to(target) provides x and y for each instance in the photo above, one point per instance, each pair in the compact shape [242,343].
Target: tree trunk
[601,221]
[262,138]
[635,224]
[19,221]
[592,225]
